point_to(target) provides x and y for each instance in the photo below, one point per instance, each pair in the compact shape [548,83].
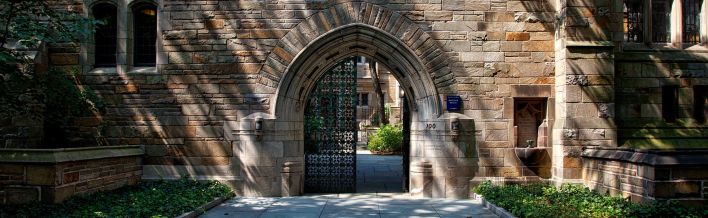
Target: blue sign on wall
[453,102]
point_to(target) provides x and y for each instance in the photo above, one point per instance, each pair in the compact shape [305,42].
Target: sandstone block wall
[641,70]
[640,83]
[647,175]
[52,178]
[220,61]
[211,55]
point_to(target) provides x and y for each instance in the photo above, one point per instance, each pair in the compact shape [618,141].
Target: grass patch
[542,200]
[147,199]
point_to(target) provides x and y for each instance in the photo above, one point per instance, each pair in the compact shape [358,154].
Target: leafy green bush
[572,200]
[387,139]
[147,199]
[66,99]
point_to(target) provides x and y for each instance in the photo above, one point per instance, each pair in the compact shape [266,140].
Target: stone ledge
[52,156]
[589,44]
[205,207]
[662,55]
[496,210]
[652,157]
[113,71]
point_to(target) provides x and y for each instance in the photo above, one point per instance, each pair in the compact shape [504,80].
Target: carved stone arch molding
[443,156]
[364,29]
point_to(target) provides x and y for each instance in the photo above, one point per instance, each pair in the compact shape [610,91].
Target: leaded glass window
[105,36]
[633,21]
[661,20]
[691,21]
[144,34]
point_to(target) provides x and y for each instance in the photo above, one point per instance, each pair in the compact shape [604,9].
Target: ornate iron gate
[330,131]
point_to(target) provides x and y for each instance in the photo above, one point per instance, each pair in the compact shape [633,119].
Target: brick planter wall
[53,175]
[648,175]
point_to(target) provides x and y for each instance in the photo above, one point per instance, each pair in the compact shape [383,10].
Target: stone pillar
[292,178]
[421,179]
[447,146]
[584,87]
[124,36]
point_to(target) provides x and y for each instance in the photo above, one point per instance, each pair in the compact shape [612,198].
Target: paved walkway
[380,187]
[349,205]
[378,173]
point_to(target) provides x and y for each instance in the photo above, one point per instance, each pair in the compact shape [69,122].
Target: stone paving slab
[379,183]
[348,205]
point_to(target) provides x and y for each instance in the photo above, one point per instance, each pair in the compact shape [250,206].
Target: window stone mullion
[647,22]
[123,46]
[677,23]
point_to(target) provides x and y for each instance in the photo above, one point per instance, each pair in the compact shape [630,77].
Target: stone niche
[531,111]
[528,108]
[530,123]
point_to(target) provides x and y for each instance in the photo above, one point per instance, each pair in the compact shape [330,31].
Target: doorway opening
[357,127]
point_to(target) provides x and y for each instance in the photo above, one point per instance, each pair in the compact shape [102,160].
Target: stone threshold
[653,157]
[58,155]
[204,207]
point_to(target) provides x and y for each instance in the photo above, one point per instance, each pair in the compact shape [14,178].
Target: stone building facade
[368,104]
[222,67]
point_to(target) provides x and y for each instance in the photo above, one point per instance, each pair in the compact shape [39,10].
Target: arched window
[144,34]
[105,37]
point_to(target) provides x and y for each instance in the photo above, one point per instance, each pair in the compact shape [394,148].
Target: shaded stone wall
[53,175]
[213,68]
[221,64]
[640,106]
[641,70]
[646,175]
[584,94]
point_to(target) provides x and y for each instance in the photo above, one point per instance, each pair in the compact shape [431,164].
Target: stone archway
[375,31]
[443,147]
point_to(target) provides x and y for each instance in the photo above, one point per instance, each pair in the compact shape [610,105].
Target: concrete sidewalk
[380,194]
[378,173]
[349,205]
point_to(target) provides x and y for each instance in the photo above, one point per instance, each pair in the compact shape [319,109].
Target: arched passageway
[442,146]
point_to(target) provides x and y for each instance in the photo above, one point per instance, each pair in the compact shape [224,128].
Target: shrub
[572,200]
[388,138]
[65,99]
[147,199]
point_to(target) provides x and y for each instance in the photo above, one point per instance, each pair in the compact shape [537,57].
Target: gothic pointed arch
[364,29]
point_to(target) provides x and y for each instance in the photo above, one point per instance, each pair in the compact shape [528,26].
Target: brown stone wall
[211,56]
[221,61]
[641,70]
[584,85]
[647,176]
[54,183]
[640,104]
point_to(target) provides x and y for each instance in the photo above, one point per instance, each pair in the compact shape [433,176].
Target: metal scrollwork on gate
[330,131]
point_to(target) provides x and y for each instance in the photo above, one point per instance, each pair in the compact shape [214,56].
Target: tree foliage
[26,26]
